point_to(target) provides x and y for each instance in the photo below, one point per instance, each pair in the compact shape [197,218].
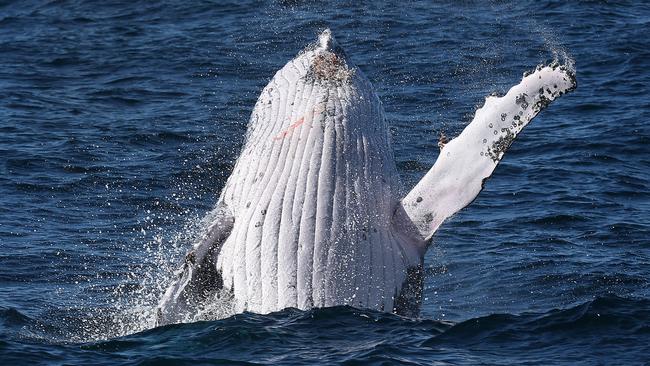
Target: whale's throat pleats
[313,193]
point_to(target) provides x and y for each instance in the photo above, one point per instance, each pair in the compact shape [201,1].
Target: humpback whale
[314,213]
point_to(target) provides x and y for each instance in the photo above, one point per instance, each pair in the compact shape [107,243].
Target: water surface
[120,121]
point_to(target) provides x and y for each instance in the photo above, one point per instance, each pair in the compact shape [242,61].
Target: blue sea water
[121,120]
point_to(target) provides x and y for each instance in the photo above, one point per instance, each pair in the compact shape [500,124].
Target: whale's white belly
[313,194]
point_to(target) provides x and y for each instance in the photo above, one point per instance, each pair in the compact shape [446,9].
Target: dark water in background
[120,121]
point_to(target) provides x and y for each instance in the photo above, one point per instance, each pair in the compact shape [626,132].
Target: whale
[314,213]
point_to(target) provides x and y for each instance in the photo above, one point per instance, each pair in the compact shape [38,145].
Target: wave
[12,318]
[599,330]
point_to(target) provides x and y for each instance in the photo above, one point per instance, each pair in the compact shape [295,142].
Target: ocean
[121,120]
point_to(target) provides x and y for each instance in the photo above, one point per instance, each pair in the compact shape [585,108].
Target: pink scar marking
[295,125]
[286,132]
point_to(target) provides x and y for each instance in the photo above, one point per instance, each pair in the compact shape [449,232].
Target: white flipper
[467,161]
[199,278]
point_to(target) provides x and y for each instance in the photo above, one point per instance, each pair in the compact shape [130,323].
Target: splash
[136,311]
[553,45]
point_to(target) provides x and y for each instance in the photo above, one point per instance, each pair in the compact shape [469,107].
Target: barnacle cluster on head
[329,63]
[330,67]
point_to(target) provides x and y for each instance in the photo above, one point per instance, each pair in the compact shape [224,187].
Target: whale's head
[320,87]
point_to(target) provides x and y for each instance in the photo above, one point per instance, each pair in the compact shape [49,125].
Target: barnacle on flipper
[442,141]
[522,101]
[568,70]
[499,147]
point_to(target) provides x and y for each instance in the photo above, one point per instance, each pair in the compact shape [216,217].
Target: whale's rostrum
[314,215]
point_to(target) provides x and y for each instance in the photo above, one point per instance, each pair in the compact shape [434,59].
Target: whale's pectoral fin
[198,279]
[467,161]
